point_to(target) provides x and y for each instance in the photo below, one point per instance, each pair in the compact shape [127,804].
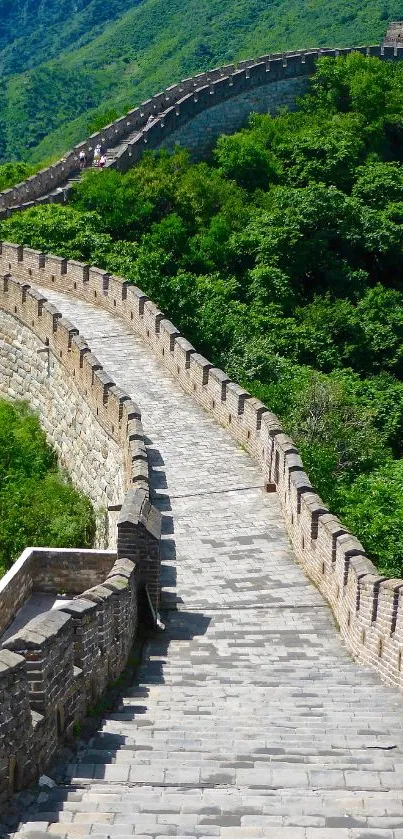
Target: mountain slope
[154,44]
[33,31]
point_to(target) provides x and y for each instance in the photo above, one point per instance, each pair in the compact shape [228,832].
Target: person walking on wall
[83,159]
[102,161]
[97,154]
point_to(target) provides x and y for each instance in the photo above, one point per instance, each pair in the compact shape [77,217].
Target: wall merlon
[78,271]
[135,430]
[199,369]
[13,253]
[236,397]
[90,365]
[32,259]
[152,317]
[349,545]
[253,412]
[293,462]
[183,352]
[103,381]
[37,632]
[38,297]
[80,344]
[10,661]
[66,326]
[362,566]
[131,410]
[170,331]
[314,503]
[218,381]
[79,607]
[272,424]
[98,594]
[51,315]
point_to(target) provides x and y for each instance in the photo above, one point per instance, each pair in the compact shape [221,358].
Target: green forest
[281,259]
[67,67]
[38,504]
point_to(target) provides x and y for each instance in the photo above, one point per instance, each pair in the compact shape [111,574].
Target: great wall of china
[192,113]
[55,667]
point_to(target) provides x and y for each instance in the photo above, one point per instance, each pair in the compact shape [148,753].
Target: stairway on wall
[248,717]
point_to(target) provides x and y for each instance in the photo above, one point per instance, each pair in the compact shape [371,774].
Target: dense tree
[115,54]
[281,259]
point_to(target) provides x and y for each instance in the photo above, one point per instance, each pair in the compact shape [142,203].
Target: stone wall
[94,461]
[59,664]
[368,608]
[173,109]
[200,133]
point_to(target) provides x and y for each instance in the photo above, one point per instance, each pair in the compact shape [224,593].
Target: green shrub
[38,504]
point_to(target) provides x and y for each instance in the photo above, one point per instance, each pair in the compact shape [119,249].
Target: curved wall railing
[58,665]
[367,607]
[129,135]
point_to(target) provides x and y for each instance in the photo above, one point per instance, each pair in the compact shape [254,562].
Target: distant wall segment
[260,84]
[367,607]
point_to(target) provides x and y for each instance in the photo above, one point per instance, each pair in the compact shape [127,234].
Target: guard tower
[394,35]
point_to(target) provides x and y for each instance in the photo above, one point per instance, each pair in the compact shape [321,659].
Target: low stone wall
[95,462]
[59,664]
[200,133]
[176,107]
[368,608]
[51,570]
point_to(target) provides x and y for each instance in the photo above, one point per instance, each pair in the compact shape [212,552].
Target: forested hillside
[33,31]
[281,259]
[71,66]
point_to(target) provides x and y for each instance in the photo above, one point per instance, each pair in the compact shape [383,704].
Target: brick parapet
[154,120]
[330,556]
[59,664]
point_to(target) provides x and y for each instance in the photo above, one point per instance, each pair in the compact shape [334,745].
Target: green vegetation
[14,173]
[38,505]
[65,64]
[281,259]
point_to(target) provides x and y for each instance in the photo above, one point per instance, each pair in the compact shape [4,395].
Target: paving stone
[247,717]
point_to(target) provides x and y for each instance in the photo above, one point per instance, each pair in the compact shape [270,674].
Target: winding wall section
[55,667]
[368,608]
[229,93]
[247,717]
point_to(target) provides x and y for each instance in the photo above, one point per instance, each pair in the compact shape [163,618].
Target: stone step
[270,827]
[180,757]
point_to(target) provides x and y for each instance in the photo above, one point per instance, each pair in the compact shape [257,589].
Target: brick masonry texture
[229,93]
[368,608]
[94,461]
[56,666]
[247,717]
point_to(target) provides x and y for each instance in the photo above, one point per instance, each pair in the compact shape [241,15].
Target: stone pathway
[248,719]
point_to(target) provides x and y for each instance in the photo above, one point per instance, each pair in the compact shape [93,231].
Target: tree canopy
[281,259]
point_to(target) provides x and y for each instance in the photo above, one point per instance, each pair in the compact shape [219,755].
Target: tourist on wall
[97,154]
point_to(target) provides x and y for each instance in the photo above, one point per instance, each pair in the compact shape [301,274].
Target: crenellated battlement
[163,120]
[367,607]
[58,665]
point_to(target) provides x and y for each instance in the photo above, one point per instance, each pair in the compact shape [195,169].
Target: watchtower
[394,34]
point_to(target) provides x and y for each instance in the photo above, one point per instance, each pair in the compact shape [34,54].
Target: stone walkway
[249,719]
